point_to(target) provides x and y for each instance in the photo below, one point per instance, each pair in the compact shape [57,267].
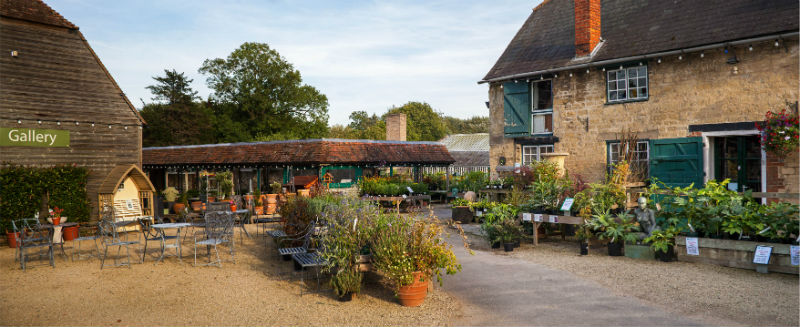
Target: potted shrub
[180,205]
[663,243]
[225,182]
[272,198]
[507,233]
[410,252]
[461,211]
[258,208]
[583,234]
[617,230]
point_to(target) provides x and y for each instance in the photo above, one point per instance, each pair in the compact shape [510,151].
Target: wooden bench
[128,210]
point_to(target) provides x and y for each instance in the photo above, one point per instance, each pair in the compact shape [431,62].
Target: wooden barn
[58,103]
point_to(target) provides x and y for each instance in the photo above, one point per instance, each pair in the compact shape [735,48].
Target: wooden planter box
[462,214]
[736,254]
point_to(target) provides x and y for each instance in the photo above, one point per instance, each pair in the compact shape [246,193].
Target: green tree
[179,120]
[424,123]
[472,125]
[263,92]
[367,127]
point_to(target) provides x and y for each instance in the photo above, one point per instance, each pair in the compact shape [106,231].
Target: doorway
[739,159]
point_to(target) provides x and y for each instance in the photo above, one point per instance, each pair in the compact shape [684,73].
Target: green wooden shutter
[516,108]
[677,162]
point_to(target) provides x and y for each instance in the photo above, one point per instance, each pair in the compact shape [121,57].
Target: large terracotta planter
[413,295]
[12,239]
[56,220]
[259,210]
[178,207]
[272,204]
[197,206]
[70,233]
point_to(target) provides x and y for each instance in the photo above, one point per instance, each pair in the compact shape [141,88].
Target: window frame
[611,143]
[541,112]
[627,89]
[538,153]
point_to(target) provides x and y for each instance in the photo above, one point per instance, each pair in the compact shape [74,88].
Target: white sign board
[794,250]
[567,204]
[762,254]
[692,247]
[526,216]
[409,189]
[479,213]
[537,217]
[553,219]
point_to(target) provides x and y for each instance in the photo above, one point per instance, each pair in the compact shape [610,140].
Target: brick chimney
[396,127]
[587,26]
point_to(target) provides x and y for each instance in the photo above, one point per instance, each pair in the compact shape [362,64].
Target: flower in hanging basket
[779,133]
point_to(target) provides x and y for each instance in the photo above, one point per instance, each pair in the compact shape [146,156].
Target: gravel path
[710,294]
[254,291]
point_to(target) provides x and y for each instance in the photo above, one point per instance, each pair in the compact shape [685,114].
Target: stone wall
[684,92]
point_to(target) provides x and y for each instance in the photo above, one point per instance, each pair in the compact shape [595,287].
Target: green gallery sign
[51,138]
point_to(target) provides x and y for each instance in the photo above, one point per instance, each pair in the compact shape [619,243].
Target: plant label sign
[762,254]
[537,217]
[553,219]
[526,216]
[567,204]
[794,251]
[410,191]
[692,247]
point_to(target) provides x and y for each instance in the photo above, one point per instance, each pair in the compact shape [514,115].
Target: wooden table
[538,219]
[496,194]
[416,201]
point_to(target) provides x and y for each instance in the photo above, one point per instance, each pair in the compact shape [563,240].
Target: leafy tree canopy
[173,88]
[423,123]
[264,93]
[179,120]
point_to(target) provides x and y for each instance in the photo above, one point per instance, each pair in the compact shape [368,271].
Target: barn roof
[301,152]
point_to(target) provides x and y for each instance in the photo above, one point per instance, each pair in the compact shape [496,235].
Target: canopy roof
[118,175]
[301,153]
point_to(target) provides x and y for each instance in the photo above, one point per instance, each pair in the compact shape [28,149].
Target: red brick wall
[587,26]
[782,174]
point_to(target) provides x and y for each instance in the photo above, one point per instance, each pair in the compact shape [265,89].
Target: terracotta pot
[56,220]
[197,206]
[270,208]
[413,295]
[304,192]
[70,233]
[248,197]
[272,198]
[211,199]
[12,239]
[259,210]
[233,207]
[178,207]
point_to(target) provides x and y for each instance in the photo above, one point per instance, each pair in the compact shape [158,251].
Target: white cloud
[362,55]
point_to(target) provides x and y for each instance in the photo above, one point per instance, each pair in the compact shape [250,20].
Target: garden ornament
[646,218]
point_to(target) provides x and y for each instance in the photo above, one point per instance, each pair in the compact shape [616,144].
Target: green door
[738,158]
[677,162]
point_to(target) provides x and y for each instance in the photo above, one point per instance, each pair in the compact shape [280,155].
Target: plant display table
[538,219]
[415,201]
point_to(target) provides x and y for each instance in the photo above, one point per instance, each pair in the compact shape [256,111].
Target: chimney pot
[396,127]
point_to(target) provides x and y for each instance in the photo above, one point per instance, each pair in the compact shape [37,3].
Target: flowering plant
[402,245]
[779,133]
[56,212]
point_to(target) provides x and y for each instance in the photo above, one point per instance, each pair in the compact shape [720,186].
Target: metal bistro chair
[31,236]
[218,230]
[111,238]
[91,234]
[151,234]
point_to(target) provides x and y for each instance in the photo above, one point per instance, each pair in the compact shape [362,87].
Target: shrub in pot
[258,207]
[663,243]
[617,230]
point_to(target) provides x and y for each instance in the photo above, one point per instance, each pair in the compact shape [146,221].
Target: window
[542,107]
[531,153]
[638,157]
[627,84]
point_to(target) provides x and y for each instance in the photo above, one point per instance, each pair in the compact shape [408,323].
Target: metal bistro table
[243,216]
[161,228]
[56,234]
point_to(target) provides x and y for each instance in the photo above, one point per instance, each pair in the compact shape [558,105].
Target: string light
[587,70]
[777,43]
[58,123]
[19,121]
[570,74]
[659,60]
[680,57]
[750,48]
[604,69]
[702,55]
[39,121]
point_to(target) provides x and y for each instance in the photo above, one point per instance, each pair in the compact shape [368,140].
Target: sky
[364,55]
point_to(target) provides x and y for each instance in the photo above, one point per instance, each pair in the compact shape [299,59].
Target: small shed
[129,191]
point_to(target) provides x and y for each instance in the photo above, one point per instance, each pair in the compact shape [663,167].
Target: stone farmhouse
[688,79]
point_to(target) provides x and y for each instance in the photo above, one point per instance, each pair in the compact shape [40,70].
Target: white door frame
[708,167]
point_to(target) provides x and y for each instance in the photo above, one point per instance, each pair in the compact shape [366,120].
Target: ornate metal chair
[90,233]
[32,236]
[111,238]
[218,230]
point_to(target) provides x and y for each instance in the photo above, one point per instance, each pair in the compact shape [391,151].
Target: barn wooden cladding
[55,81]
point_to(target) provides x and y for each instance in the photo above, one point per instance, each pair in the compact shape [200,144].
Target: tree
[424,124]
[180,120]
[260,90]
[367,127]
[472,125]
[173,88]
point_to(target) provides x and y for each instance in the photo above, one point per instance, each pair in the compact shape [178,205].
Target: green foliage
[472,125]
[346,281]
[423,123]
[173,88]
[500,224]
[22,190]
[505,232]
[473,181]
[177,119]
[779,132]
[389,187]
[459,202]
[276,187]
[296,215]
[257,198]
[225,183]
[265,95]
[615,229]
[435,181]
[661,240]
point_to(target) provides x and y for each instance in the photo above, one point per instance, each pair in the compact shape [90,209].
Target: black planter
[508,247]
[666,256]
[615,249]
[346,298]
[584,248]
[496,245]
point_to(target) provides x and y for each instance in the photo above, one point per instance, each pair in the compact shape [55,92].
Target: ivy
[23,188]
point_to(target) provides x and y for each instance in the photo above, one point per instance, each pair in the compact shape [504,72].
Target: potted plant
[663,243]
[258,208]
[507,233]
[583,234]
[346,283]
[272,198]
[410,252]
[180,205]
[225,182]
[461,211]
[617,230]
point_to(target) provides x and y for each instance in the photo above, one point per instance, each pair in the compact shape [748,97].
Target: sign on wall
[50,138]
